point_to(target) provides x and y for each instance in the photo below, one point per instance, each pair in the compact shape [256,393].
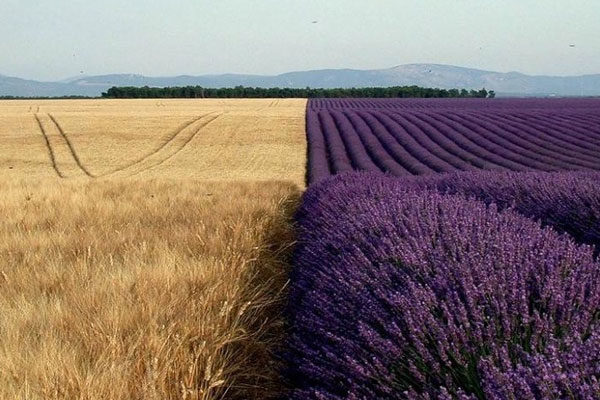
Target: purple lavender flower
[403,292]
[424,136]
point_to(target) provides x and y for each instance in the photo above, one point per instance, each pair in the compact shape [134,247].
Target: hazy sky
[55,39]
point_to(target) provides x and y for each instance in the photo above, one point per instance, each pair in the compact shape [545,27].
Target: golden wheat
[144,246]
[141,290]
[214,139]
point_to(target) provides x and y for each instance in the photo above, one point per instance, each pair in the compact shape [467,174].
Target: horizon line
[83,76]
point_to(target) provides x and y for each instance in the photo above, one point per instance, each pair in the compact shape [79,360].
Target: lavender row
[415,141]
[569,202]
[573,105]
[399,292]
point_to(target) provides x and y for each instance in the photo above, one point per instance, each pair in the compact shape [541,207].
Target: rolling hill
[427,75]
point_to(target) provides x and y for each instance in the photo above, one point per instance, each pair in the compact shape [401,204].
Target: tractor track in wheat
[169,139]
[70,146]
[48,146]
[169,148]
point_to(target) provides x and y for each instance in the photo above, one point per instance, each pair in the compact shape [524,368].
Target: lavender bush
[569,202]
[399,292]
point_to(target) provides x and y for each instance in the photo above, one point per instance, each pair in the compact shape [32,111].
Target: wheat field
[208,139]
[144,246]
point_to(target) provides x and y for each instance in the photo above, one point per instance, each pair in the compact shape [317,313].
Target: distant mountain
[426,75]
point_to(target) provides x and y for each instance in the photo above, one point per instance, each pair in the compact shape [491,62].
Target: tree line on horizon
[66,97]
[199,92]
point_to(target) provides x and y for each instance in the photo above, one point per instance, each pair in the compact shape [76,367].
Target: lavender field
[427,136]
[448,249]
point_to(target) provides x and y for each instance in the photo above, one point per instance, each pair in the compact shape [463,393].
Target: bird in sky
[314,22]
[571,45]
